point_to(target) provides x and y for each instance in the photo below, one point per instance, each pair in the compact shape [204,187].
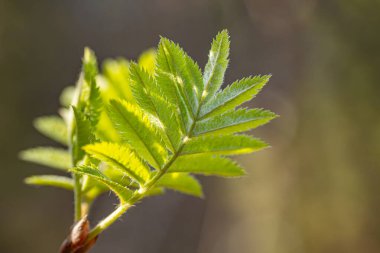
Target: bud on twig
[87,246]
[79,232]
[76,240]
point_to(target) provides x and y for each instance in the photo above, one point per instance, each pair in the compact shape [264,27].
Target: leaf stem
[123,207]
[77,198]
[105,223]
[76,177]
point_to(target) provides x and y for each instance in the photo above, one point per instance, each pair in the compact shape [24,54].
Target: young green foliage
[51,180]
[121,157]
[209,165]
[52,157]
[137,129]
[53,127]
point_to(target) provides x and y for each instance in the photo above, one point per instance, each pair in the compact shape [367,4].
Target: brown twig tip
[79,232]
[76,240]
[87,246]
[66,246]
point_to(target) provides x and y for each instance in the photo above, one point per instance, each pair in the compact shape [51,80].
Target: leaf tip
[29,180]
[88,55]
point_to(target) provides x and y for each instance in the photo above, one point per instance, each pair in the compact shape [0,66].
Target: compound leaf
[163,114]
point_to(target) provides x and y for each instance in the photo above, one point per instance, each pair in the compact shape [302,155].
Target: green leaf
[234,95]
[170,63]
[47,156]
[181,182]
[118,176]
[223,145]
[208,165]
[168,116]
[90,101]
[142,84]
[193,82]
[121,157]
[136,129]
[86,106]
[146,93]
[155,192]
[121,191]
[83,135]
[116,73]
[53,127]
[51,180]
[105,130]
[94,106]
[163,117]
[217,64]
[147,60]
[169,93]
[186,74]
[233,122]
[67,95]
[90,66]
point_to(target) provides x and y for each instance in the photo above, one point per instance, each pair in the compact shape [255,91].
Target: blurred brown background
[316,190]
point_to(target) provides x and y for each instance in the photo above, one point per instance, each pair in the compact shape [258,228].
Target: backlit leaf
[223,145]
[209,165]
[181,182]
[233,122]
[136,129]
[121,157]
[51,180]
[121,191]
[233,95]
[47,156]
[217,64]
[53,127]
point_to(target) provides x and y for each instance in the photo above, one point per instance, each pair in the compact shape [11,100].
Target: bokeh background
[316,190]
